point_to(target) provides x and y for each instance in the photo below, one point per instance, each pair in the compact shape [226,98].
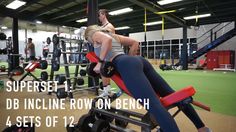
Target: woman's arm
[105,41]
[100,38]
[133,44]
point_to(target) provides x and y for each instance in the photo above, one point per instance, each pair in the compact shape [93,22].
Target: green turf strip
[216,89]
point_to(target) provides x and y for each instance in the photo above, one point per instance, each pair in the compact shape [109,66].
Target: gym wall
[177,33]
[38,38]
[174,33]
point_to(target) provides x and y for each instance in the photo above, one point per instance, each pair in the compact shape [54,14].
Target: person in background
[103,18]
[30,50]
[106,25]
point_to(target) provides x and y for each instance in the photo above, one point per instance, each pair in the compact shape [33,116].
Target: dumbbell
[3,36]
[107,69]
[3,51]
[48,40]
[90,71]
[60,78]
[2,68]
[75,128]
[43,64]
[84,63]
[55,65]
[61,93]
[57,52]
[88,123]
[82,72]
[55,39]
[122,123]
[44,75]
[80,81]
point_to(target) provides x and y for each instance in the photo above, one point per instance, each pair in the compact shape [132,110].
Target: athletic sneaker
[106,91]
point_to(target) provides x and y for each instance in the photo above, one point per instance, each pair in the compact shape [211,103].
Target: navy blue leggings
[144,82]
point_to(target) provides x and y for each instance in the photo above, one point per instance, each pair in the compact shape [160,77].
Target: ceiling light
[120,11]
[122,28]
[16,4]
[64,26]
[153,23]
[39,22]
[165,2]
[197,16]
[82,20]
[3,27]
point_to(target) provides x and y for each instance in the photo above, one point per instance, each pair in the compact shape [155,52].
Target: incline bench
[101,119]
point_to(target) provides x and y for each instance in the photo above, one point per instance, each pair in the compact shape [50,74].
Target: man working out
[30,49]
[103,18]
[106,25]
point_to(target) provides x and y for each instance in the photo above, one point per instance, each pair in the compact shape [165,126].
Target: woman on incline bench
[138,75]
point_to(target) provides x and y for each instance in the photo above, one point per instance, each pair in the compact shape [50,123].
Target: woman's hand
[133,51]
[97,67]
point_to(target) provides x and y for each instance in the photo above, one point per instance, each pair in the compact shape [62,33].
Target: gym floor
[215,89]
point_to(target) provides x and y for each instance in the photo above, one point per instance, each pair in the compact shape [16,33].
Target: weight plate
[84,122]
[48,40]
[101,126]
[55,39]
[44,75]
[61,93]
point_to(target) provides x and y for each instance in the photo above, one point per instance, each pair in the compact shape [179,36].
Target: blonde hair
[94,28]
[91,30]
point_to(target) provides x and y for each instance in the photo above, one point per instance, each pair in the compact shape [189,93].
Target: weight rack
[61,44]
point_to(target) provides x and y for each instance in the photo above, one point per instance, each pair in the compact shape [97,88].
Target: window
[163,51]
[181,41]
[175,41]
[166,42]
[151,49]
[158,42]
[144,49]
[193,40]
[175,51]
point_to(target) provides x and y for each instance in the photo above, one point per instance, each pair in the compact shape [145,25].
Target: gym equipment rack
[61,44]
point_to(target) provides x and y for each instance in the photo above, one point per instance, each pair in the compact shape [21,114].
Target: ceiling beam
[73,17]
[28,4]
[65,12]
[156,8]
[216,11]
[72,10]
[139,28]
[82,13]
[8,12]
[210,21]
[55,5]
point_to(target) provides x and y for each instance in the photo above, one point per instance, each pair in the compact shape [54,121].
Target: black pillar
[92,12]
[15,59]
[184,51]
[235,22]
[211,35]
[92,8]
